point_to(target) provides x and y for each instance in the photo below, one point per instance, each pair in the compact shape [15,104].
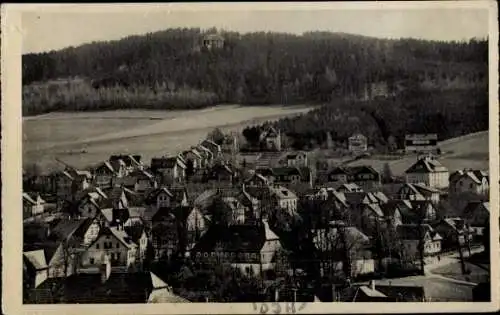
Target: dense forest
[385,121]
[171,69]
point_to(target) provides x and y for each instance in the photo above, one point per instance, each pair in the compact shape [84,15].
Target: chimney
[105,269]
[372,285]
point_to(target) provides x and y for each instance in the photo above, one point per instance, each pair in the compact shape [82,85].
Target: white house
[298,159]
[113,242]
[429,172]
[469,181]
[33,204]
[413,236]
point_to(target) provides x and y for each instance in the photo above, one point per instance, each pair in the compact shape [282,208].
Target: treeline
[81,96]
[263,68]
[385,121]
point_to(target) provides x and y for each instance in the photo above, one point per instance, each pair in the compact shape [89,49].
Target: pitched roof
[415,231]
[237,238]
[66,228]
[426,165]
[132,287]
[28,197]
[120,235]
[36,258]
[283,192]
[371,293]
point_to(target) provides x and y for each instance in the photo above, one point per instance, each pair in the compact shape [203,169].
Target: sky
[52,29]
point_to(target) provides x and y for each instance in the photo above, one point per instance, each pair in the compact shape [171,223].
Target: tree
[216,136]
[387,176]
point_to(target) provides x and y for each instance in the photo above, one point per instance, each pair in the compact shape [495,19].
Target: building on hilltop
[213,41]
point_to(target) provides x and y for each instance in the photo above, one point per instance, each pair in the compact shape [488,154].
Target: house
[257,179]
[365,293]
[419,192]
[212,146]
[287,175]
[113,243]
[364,176]
[413,237]
[357,143]
[172,168]
[144,181]
[194,158]
[167,198]
[69,181]
[416,143]
[220,172]
[416,211]
[429,172]
[33,204]
[350,187]
[138,235]
[132,162]
[78,233]
[469,181]
[334,241]
[477,215]
[392,214]
[105,287]
[167,235]
[454,231]
[298,159]
[105,173]
[271,139]
[287,199]
[213,41]
[207,155]
[251,248]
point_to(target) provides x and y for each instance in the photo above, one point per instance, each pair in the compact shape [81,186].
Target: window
[91,260]
[117,256]
[97,246]
[471,185]
[117,245]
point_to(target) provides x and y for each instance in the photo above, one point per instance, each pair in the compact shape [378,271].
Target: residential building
[298,159]
[271,139]
[213,41]
[251,248]
[429,172]
[33,205]
[257,179]
[414,237]
[220,172]
[420,143]
[364,176]
[469,181]
[357,143]
[287,199]
[477,215]
[105,173]
[334,241]
[194,157]
[132,162]
[419,192]
[105,287]
[172,168]
[455,232]
[213,147]
[113,243]
[287,175]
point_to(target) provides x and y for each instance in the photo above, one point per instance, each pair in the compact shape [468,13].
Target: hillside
[168,69]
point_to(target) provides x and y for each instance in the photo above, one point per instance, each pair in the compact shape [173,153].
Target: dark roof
[414,231]
[426,165]
[236,238]
[135,232]
[133,287]
[129,160]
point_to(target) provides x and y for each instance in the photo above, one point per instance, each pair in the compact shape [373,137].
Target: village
[293,227]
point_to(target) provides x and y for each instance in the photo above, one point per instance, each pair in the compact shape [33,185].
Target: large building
[358,143]
[429,172]
[419,143]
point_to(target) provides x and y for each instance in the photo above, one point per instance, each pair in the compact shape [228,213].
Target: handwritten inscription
[276,308]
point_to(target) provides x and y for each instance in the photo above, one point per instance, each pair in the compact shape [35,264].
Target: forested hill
[161,70]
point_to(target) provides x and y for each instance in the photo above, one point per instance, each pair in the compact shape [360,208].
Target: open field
[469,151]
[150,133]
